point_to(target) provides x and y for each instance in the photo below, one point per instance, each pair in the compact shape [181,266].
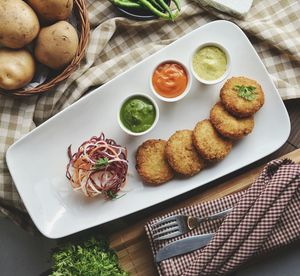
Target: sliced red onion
[98,167]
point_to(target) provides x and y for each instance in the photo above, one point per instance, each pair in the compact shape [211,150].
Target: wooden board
[293,107]
[131,244]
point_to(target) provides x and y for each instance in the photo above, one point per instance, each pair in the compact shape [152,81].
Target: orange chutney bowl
[170,81]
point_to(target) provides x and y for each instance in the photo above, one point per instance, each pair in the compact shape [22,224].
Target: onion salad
[98,167]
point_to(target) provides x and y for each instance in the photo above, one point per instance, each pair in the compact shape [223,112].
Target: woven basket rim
[82,16]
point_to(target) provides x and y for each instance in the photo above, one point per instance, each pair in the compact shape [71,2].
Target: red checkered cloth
[264,217]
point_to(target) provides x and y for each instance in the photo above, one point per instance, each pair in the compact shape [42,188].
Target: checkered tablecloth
[117,43]
[264,217]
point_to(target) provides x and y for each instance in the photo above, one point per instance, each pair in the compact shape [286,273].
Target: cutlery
[174,226]
[183,246]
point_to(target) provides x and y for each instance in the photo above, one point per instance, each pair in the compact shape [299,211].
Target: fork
[177,225]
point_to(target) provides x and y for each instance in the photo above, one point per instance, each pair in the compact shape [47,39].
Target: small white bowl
[128,131]
[184,93]
[221,78]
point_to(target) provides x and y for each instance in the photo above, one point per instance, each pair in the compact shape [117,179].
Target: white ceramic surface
[37,161]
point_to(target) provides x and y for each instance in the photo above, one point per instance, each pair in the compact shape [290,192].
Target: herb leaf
[246,92]
[93,258]
[100,163]
[111,194]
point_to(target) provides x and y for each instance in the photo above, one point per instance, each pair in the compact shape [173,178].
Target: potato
[56,45]
[19,24]
[17,68]
[52,10]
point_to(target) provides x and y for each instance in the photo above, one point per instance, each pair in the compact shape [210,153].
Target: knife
[183,246]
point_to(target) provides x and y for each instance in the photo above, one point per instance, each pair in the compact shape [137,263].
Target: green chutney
[138,114]
[209,63]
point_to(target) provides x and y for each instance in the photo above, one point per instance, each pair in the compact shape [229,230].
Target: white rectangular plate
[37,162]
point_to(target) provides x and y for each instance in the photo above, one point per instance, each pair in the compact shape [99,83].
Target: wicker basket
[81,13]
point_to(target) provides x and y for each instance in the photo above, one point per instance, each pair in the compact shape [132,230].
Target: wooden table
[127,235]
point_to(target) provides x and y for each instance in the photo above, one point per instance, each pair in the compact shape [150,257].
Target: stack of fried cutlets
[187,152]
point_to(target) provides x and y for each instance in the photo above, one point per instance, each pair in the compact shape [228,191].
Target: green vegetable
[157,7]
[101,163]
[177,4]
[246,92]
[112,195]
[128,4]
[167,8]
[154,10]
[93,258]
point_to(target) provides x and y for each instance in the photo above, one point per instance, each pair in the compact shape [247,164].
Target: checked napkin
[264,217]
[117,43]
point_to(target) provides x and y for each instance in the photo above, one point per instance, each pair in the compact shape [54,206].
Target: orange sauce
[169,79]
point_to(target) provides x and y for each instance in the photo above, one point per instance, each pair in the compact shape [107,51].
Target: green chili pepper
[157,7]
[166,8]
[157,12]
[127,4]
[177,4]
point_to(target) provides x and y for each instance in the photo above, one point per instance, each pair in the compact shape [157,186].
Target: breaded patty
[151,162]
[228,125]
[242,97]
[209,143]
[182,155]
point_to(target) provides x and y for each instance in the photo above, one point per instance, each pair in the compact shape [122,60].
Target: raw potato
[56,45]
[17,68]
[19,24]
[52,10]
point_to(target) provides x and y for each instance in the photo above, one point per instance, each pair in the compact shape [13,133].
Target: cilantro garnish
[246,92]
[100,163]
[111,195]
[92,258]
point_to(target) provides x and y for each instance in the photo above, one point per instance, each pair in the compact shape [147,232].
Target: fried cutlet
[151,162]
[209,143]
[182,155]
[242,97]
[228,125]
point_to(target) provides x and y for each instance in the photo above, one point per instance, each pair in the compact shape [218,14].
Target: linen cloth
[117,43]
[264,217]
